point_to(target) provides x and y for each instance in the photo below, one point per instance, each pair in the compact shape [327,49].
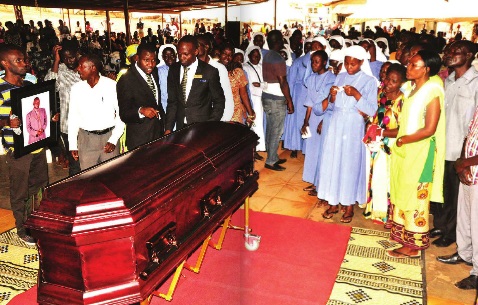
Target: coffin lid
[135,177]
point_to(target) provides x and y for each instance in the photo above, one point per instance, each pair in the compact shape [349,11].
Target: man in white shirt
[205,45]
[94,125]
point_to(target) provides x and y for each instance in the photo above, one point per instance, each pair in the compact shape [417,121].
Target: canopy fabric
[133,5]
[437,10]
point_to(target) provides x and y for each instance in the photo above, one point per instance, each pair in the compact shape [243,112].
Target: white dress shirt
[94,109]
[191,72]
[226,87]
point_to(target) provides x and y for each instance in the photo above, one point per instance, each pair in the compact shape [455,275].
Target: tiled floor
[281,193]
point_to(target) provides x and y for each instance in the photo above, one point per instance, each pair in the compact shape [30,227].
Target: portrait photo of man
[36,122]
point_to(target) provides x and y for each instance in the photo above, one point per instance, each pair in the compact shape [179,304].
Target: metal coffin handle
[160,247]
[211,202]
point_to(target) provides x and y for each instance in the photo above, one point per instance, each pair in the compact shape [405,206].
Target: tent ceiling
[133,5]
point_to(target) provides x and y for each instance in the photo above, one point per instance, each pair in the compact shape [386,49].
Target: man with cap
[131,58]
[64,70]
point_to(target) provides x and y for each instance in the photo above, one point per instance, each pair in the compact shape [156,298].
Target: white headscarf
[323,42]
[288,62]
[385,41]
[349,41]
[160,53]
[338,55]
[249,50]
[378,51]
[236,50]
[339,39]
[359,53]
[251,43]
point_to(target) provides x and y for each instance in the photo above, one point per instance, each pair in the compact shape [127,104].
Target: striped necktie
[184,81]
[149,80]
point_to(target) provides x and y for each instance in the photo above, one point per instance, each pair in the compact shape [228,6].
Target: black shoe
[443,242]
[293,154]
[27,239]
[281,161]
[275,167]
[435,233]
[453,259]
[258,157]
[467,283]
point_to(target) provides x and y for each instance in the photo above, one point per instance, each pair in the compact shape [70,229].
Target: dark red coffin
[113,233]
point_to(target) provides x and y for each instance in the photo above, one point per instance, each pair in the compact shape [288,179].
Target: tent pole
[69,20]
[180,26]
[275,14]
[108,30]
[84,18]
[127,22]
[225,17]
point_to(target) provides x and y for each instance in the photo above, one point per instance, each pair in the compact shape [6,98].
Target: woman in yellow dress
[417,157]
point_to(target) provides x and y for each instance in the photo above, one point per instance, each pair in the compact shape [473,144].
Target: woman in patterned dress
[385,125]
[243,111]
[416,172]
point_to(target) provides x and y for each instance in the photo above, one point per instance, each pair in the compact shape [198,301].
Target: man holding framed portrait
[29,173]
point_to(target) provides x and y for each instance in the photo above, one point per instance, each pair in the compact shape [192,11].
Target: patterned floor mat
[368,276]
[18,266]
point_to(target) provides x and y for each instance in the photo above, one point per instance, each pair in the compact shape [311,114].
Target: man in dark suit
[194,91]
[139,99]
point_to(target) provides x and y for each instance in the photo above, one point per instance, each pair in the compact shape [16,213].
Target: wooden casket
[114,232]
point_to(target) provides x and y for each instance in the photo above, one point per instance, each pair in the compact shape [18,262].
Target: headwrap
[339,39]
[385,41]
[236,50]
[323,42]
[251,43]
[346,40]
[160,53]
[131,50]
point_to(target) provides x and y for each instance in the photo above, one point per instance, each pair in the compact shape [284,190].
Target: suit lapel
[195,80]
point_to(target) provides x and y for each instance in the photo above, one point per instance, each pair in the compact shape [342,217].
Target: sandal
[328,213]
[347,218]
[309,188]
[312,193]
[397,254]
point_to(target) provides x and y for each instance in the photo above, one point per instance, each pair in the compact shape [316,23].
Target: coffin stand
[113,233]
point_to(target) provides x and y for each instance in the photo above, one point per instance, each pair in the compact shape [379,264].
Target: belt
[100,132]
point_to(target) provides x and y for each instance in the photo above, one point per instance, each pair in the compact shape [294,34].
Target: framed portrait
[35,106]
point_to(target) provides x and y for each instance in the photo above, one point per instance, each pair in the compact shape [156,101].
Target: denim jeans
[275,110]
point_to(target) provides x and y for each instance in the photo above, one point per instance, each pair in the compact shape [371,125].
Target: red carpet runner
[296,264]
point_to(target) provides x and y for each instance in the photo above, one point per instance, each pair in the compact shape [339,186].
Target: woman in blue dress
[318,87]
[342,175]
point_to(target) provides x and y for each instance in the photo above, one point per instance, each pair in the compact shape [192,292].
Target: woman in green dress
[417,157]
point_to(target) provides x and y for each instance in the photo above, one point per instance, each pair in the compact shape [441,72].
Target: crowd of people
[387,120]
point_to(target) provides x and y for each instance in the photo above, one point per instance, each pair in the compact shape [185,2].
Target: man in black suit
[138,96]
[194,91]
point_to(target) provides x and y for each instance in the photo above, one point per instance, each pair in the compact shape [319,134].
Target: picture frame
[35,106]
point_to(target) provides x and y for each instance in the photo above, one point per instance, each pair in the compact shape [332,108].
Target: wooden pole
[18,12]
[180,26]
[84,18]
[108,29]
[225,17]
[127,22]
[69,20]
[275,14]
